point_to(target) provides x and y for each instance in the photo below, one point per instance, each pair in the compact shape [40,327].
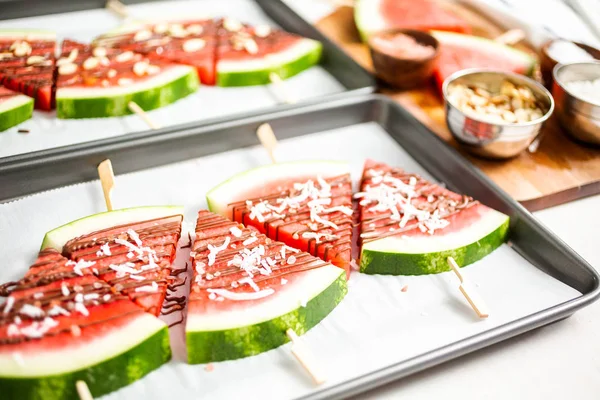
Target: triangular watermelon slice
[248,290]
[458,52]
[27,64]
[94,82]
[248,55]
[58,327]
[410,226]
[191,42]
[131,249]
[306,205]
[14,108]
[372,16]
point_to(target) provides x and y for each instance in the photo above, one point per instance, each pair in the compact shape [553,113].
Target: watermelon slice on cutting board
[306,204]
[248,55]
[458,52]
[373,16]
[58,327]
[14,108]
[248,290]
[131,249]
[410,226]
[27,64]
[190,42]
[94,82]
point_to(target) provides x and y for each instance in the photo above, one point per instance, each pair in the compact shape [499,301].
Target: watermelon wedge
[94,82]
[373,16]
[248,290]
[14,108]
[131,249]
[410,226]
[27,64]
[458,52]
[190,42]
[58,327]
[306,205]
[248,55]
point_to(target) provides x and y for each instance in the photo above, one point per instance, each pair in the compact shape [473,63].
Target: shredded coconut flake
[250,282]
[241,296]
[10,301]
[148,288]
[235,231]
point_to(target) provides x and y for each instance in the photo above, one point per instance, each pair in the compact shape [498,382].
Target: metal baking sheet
[336,75]
[378,333]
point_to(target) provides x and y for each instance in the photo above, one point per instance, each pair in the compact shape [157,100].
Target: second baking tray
[378,333]
[336,75]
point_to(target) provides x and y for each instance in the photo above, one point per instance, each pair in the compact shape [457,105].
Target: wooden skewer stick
[83,390]
[511,37]
[268,140]
[282,90]
[107,179]
[473,298]
[118,8]
[305,357]
[135,108]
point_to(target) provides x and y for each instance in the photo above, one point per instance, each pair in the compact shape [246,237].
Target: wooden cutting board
[560,171]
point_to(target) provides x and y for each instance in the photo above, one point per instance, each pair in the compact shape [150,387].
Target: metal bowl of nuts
[495,114]
[577,93]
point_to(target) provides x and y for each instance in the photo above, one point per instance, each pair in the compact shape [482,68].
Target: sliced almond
[6,55]
[62,61]
[105,83]
[262,31]
[509,116]
[195,29]
[192,45]
[251,46]
[124,81]
[124,57]
[73,55]
[67,69]
[22,50]
[104,61]
[161,28]
[153,69]
[140,67]
[91,63]
[232,25]
[178,31]
[99,52]
[35,60]
[142,35]
[111,73]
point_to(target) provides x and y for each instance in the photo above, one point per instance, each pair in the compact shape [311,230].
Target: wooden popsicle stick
[107,179]
[118,8]
[268,140]
[469,292]
[282,90]
[83,390]
[305,357]
[511,37]
[135,108]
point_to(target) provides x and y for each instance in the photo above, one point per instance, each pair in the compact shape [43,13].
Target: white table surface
[560,361]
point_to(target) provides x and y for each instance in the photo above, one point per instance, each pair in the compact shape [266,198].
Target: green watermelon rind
[231,344]
[14,111]
[93,103]
[57,237]
[101,378]
[525,60]
[244,73]
[397,263]
[362,9]
[227,191]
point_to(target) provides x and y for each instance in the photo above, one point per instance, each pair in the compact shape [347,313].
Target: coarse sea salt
[587,90]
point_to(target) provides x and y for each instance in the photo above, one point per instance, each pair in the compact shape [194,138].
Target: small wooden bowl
[547,63]
[405,73]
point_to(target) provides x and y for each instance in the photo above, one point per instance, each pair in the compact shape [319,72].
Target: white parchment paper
[47,131]
[375,325]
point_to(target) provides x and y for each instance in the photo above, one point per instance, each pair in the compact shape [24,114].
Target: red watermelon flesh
[421,15]
[458,52]
[135,259]
[32,74]
[325,232]
[47,315]
[192,42]
[275,266]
